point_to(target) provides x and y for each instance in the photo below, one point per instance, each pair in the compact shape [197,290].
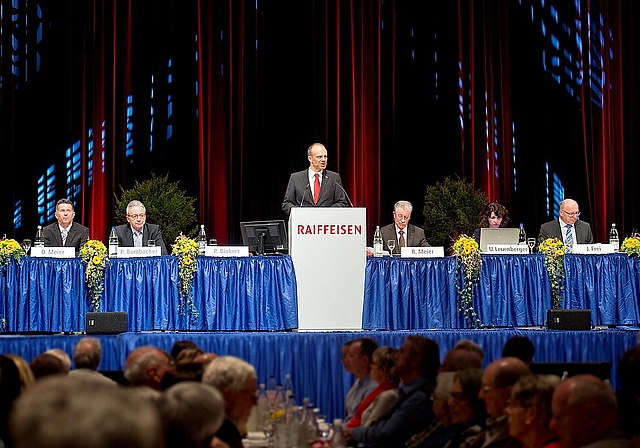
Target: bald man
[567,228]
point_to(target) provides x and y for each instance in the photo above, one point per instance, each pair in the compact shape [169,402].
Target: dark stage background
[529,100]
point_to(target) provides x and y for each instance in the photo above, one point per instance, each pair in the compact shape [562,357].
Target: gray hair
[135,370]
[62,356]
[405,205]
[444,384]
[228,372]
[135,204]
[87,353]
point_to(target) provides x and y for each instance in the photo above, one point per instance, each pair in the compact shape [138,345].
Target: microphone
[345,193]
[304,194]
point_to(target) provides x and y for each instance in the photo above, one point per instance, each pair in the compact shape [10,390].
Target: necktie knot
[401,242]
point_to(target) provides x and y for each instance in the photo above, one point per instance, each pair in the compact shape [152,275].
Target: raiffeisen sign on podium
[328,249]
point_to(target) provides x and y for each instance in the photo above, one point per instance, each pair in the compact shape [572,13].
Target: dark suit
[77,236]
[300,192]
[149,232]
[552,229]
[413,236]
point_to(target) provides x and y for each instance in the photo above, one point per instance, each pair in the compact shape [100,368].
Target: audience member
[493,216]
[345,355]
[236,380]
[567,227]
[62,356]
[360,357]
[46,364]
[315,186]
[459,359]
[529,411]
[146,365]
[519,347]
[585,414]
[180,345]
[467,410]
[10,389]
[64,232]
[138,232]
[378,403]
[191,413]
[629,394]
[403,233]
[86,356]
[26,375]
[62,412]
[468,344]
[498,380]
[417,363]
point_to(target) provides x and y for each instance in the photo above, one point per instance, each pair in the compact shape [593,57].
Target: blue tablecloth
[252,293]
[409,294]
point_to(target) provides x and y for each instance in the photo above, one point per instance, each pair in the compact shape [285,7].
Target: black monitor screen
[265,237]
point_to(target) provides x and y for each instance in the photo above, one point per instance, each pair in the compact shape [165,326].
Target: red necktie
[316,188]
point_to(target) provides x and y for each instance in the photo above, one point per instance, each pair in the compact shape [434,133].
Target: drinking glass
[531,242]
[269,431]
[391,244]
[151,243]
[26,245]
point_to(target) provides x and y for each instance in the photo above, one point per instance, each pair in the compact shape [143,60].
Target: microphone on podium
[345,193]
[304,194]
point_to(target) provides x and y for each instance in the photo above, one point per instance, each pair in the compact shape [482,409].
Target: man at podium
[316,186]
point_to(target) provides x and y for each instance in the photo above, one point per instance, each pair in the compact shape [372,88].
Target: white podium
[327,246]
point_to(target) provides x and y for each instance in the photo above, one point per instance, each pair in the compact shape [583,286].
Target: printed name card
[53,252]
[593,249]
[226,251]
[507,249]
[137,252]
[422,252]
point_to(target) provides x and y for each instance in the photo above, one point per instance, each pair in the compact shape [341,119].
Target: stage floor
[314,358]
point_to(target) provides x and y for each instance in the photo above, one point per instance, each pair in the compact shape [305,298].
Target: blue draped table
[514,291]
[252,293]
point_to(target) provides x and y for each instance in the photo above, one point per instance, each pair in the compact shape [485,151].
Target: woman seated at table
[493,216]
[378,403]
[529,411]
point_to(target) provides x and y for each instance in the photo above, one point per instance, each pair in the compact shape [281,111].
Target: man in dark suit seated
[65,232]
[405,234]
[316,186]
[567,227]
[138,232]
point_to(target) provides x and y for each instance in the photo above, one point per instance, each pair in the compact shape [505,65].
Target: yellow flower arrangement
[10,249]
[467,253]
[631,246]
[554,250]
[186,249]
[94,254]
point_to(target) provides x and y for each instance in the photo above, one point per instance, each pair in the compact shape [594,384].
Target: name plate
[507,249]
[226,251]
[53,252]
[137,252]
[422,252]
[593,249]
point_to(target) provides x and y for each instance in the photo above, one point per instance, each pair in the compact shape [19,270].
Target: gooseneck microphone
[345,193]
[304,194]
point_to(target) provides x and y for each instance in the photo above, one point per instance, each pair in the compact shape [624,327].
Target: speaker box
[106,323]
[569,319]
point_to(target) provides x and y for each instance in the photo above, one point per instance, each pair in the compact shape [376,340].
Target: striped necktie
[568,239]
[64,233]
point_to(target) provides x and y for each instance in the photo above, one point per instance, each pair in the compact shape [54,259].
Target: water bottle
[38,241]
[280,401]
[113,243]
[263,406]
[272,388]
[522,235]
[613,238]
[338,440]
[288,387]
[202,239]
[377,243]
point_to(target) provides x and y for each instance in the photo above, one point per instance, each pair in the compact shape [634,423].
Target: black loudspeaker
[569,319]
[106,323]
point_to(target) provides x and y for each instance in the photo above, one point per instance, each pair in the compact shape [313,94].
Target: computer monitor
[265,237]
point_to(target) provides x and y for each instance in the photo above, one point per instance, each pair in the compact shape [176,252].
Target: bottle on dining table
[613,238]
[38,241]
[522,235]
[377,243]
[202,239]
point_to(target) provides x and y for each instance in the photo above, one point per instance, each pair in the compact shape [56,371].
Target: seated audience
[497,381]
[62,412]
[10,389]
[46,364]
[585,413]
[360,356]
[519,347]
[629,394]
[86,356]
[26,375]
[191,413]
[468,344]
[180,345]
[459,359]
[529,411]
[417,363]
[466,409]
[493,216]
[379,402]
[236,380]
[146,365]
[62,355]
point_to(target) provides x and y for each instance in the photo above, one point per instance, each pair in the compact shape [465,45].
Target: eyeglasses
[402,218]
[572,214]
[141,215]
